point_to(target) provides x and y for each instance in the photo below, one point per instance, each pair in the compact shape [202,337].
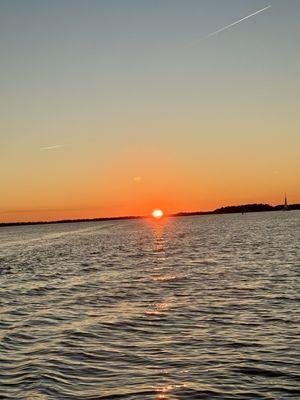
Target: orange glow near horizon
[130,183]
[157,213]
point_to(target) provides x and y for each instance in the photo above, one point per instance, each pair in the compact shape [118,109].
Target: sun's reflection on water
[163,392]
[158,228]
[158,243]
[158,308]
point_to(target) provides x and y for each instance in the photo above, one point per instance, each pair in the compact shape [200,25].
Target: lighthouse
[285,207]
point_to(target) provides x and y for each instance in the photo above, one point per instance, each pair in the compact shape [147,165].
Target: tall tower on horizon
[285,207]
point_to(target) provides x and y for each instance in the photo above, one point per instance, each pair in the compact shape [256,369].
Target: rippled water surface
[187,308]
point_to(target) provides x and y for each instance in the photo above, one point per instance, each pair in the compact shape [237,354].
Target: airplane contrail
[235,23]
[57,146]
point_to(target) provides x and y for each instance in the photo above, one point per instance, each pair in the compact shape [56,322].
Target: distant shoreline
[244,208]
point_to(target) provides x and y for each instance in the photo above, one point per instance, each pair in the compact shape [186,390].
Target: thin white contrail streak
[235,23]
[57,146]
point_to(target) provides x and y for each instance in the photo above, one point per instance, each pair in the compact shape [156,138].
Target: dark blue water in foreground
[189,308]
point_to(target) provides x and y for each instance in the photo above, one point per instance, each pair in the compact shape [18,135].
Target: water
[188,308]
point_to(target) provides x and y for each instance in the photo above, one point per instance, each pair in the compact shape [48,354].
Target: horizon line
[177,214]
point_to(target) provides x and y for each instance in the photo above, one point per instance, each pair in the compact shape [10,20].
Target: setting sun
[157,213]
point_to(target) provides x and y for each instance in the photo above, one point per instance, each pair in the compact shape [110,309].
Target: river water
[185,308]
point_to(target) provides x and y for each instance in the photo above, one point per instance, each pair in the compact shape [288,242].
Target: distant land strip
[244,208]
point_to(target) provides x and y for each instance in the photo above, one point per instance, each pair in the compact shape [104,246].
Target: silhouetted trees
[244,208]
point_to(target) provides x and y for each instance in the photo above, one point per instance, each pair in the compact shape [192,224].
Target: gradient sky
[142,110]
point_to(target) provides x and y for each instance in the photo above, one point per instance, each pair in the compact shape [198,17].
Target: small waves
[198,308]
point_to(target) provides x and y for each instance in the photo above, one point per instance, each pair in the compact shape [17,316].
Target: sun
[157,213]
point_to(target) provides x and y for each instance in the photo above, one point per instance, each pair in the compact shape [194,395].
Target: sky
[114,108]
